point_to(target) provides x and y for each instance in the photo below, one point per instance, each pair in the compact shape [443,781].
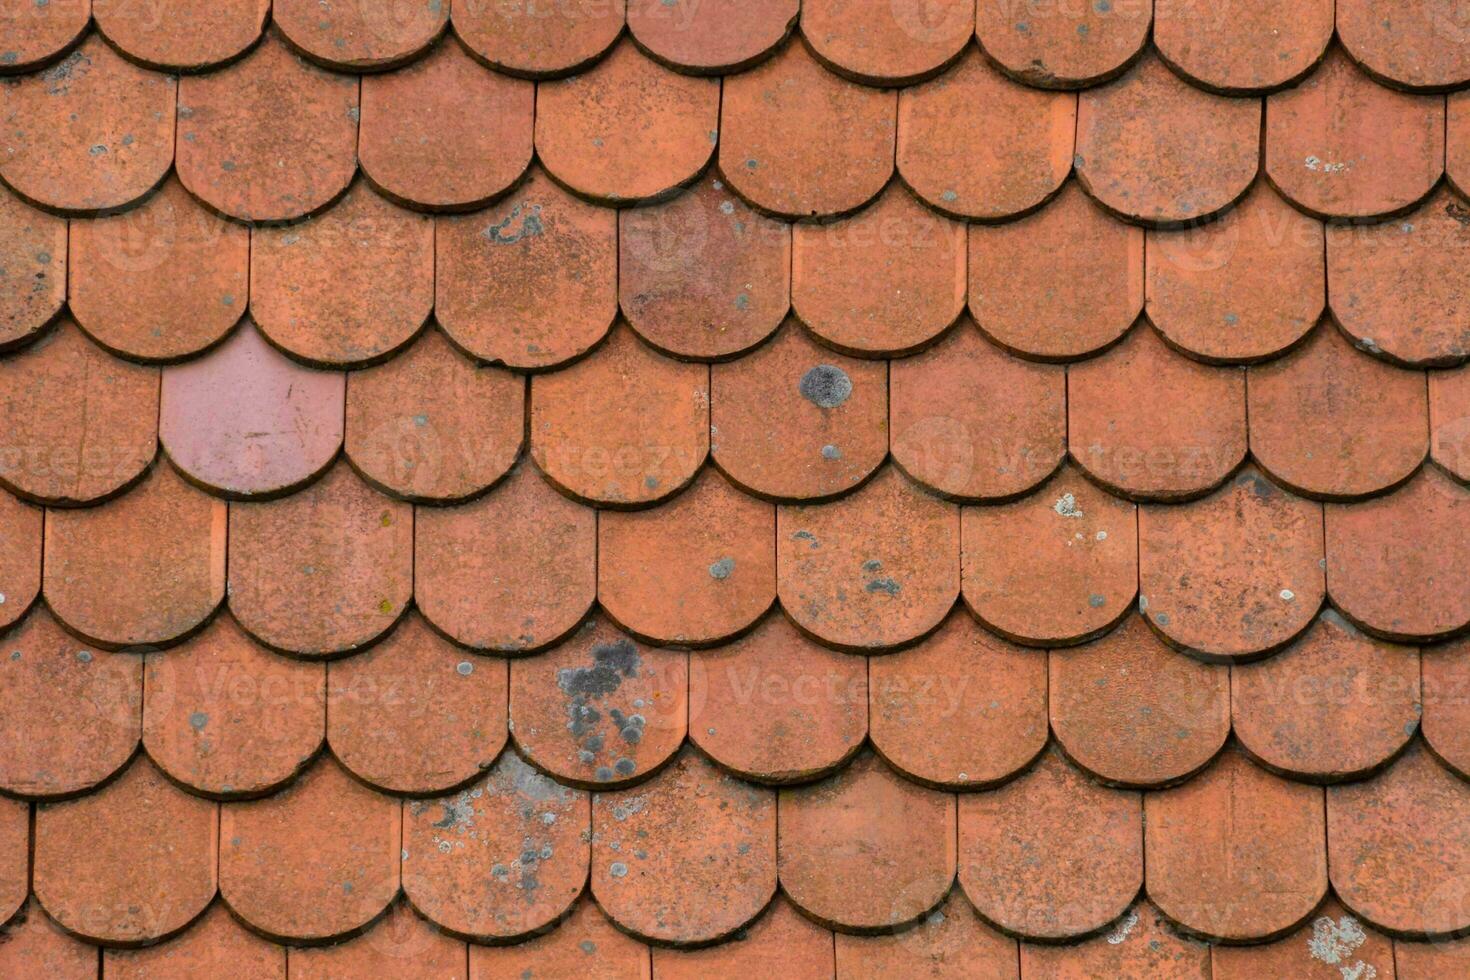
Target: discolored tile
[1401,288]
[782,942]
[15,856]
[1142,944]
[495,270]
[349,287]
[697,570]
[951,942]
[775,707]
[865,850]
[712,36]
[878,569]
[69,715]
[703,276]
[1151,424]
[324,571]
[33,262]
[36,33]
[287,879]
[686,858]
[1153,148]
[625,427]
[431,425]
[887,280]
[1060,284]
[1243,288]
[799,141]
[887,43]
[1334,946]
[415,714]
[227,717]
[599,709]
[160,282]
[1419,44]
[237,125]
[972,422]
[445,133]
[215,945]
[962,709]
[361,36]
[1051,855]
[132,862]
[538,42]
[91,132]
[1400,846]
[79,424]
[974,144]
[627,130]
[1133,712]
[1332,422]
[1333,706]
[504,857]
[1445,691]
[33,945]
[1449,421]
[1341,145]
[191,35]
[20,558]
[586,944]
[1243,46]
[1425,961]
[1055,568]
[793,420]
[1390,560]
[513,571]
[1063,45]
[399,943]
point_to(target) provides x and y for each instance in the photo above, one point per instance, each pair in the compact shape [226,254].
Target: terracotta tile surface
[576,448]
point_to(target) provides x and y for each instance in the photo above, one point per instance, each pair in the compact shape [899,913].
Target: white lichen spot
[1287,595]
[1102,535]
[1335,942]
[1318,165]
[1121,931]
[1066,506]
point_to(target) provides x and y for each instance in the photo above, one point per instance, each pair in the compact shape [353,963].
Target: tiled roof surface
[698,488]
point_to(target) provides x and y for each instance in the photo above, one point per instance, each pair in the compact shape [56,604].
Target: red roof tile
[33,258]
[361,36]
[950,942]
[886,44]
[215,945]
[538,42]
[1332,943]
[15,856]
[401,941]
[20,557]
[1254,46]
[1142,944]
[712,35]
[1063,46]
[192,35]
[1446,706]
[33,945]
[781,942]
[585,945]
[37,33]
[1418,44]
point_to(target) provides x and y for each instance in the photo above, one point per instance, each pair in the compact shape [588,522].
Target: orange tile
[628,129]
[15,856]
[68,714]
[712,35]
[782,942]
[1420,46]
[696,570]
[1063,45]
[1051,855]
[431,425]
[887,43]
[1254,46]
[360,36]
[1064,283]
[161,282]
[703,276]
[974,144]
[1236,853]
[416,714]
[238,124]
[351,287]
[1341,145]
[1141,944]
[1449,421]
[20,558]
[1334,705]
[131,863]
[513,571]
[625,427]
[33,261]
[799,141]
[1400,846]
[245,420]
[148,568]
[585,945]
[1055,568]
[226,717]
[1152,148]
[37,34]
[1446,693]
[193,35]
[688,857]
[89,133]
[866,850]
[795,420]
[880,568]
[505,857]
[215,945]
[32,945]
[400,944]
[1132,733]
[600,709]
[315,861]
[951,942]
[962,709]
[1426,961]
[1151,424]
[80,424]
[1388,560]
[1335,945]
[496,269]
[445,132]
[324,571]
[775,706]
[1332,422]
[523,39]
[1457,135]
[1243,288]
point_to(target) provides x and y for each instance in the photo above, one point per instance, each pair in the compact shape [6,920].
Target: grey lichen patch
[526,222]
[808,537]
[722,569]
[198,720]
[464,668]
[826,386]
[611,664]
[618,869]
[885,585]
[1096,601]
[831,452]
[1066,506]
